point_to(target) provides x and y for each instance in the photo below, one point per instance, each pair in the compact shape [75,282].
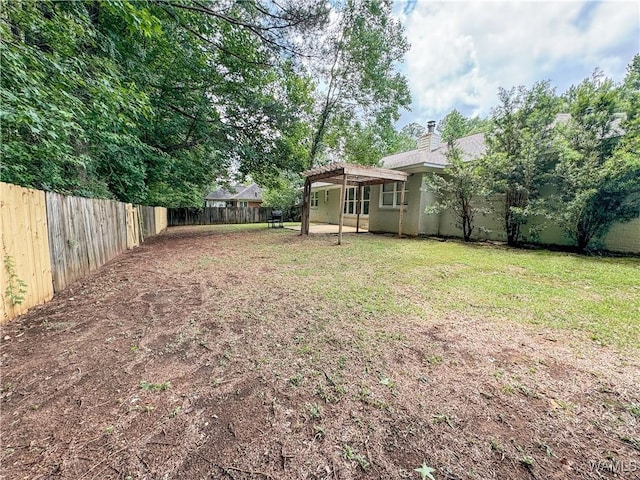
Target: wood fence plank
[24,246]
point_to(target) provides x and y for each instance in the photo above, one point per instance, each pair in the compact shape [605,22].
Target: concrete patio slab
[326,228]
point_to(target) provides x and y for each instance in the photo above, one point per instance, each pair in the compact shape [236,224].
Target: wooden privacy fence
[153,220]
[84,233]
[216,215]
[25,262]
[50,240]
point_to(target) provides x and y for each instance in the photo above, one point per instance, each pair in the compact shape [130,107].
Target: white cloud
[461,52]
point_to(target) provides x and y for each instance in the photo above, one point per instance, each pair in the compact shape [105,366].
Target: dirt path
[197,356]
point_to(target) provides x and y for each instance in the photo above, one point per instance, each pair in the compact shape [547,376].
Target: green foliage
[455,125]
[597,177]
[527,461]
[519,152]
[452,127]
[152,101]
[16,287]
[349,453]
[357,82]
[154,387]
[366,144]
[461,188]
[315,410]
[61,98]
[412,131]
[633,409]
[285,193]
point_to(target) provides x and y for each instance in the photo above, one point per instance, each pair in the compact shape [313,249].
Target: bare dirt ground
[197,355]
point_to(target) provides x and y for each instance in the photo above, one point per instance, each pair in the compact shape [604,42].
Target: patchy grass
[248,352]
[384,276]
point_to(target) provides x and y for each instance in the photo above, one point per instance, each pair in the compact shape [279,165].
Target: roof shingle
[472,146]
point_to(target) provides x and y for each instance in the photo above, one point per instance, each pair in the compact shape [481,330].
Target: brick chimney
[430,140]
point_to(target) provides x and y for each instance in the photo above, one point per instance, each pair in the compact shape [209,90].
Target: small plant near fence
[16,288]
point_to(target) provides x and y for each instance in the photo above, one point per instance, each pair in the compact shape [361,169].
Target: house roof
[616,129]
[472,146]
[237,192]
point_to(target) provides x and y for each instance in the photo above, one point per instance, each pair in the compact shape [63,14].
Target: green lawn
[598,296]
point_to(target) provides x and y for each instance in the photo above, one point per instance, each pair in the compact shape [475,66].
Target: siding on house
[385,219]
[624,237]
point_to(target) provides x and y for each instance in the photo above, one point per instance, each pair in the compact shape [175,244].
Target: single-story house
[235,196]
[380,204]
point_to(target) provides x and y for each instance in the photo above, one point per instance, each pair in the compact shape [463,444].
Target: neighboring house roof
[237,192]
[472,146]
[616,129]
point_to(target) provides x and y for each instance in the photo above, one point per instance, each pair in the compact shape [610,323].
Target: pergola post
[358,207]
[343,196]
[401,210]
[306,203]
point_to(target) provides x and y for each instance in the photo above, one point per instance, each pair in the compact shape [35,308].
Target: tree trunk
[513,225]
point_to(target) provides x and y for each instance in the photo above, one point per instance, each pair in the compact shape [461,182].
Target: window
[314,199]
[242,203]
[390,195]
[350,202]
[326,196]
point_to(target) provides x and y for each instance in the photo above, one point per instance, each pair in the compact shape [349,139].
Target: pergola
[346,174]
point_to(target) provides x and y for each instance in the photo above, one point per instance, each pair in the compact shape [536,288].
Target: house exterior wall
[230,203]
[429,222]
[385,219]
[487,227]
[329,211]
[621,238]
[624,237]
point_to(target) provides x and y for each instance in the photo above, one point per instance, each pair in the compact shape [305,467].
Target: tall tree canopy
[519,151]
[357,85]
[598,168]
[150,101]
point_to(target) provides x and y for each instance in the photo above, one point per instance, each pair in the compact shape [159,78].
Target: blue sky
[462,51]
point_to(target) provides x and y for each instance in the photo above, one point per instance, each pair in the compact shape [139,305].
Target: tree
[453,126]
[461,187]
[355,76]
[597,172]
[69,116]
[519,152]
[150,101]
[227,91]
[367,144]
[413,131]
[285,194]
